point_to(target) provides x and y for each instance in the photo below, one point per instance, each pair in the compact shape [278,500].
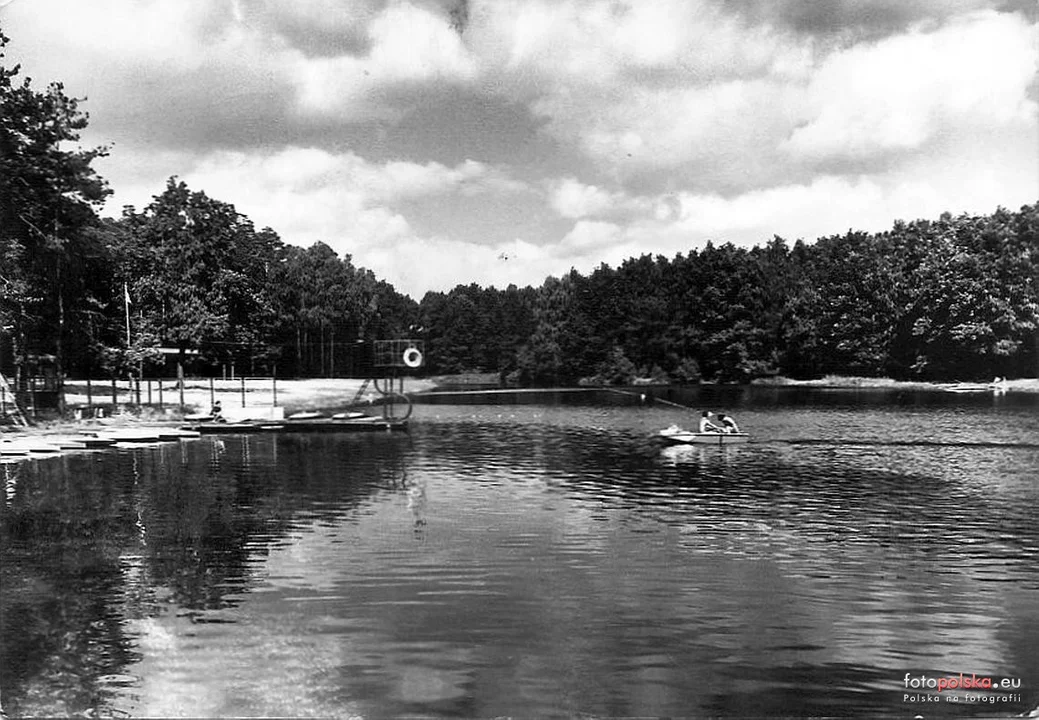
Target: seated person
[217,413]
[706,425]
[728,424]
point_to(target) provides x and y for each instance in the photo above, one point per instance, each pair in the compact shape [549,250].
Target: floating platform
[309,424]
[26,445]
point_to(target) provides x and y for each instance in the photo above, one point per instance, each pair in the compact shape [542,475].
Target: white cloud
[305,170]
[589,235]
[573,199]
[591,43]
[415,265]
[409,46]
[753,130]
[899,93]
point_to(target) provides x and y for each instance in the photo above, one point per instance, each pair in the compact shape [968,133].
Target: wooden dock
[321,424]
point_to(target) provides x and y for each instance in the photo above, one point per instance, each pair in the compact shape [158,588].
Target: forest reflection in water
[530,560]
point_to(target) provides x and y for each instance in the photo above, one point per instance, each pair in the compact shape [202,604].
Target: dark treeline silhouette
[954,298]
[189,276]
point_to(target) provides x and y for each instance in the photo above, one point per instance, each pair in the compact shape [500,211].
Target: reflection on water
[533,561]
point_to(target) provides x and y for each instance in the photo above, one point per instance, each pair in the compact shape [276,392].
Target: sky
[446,142]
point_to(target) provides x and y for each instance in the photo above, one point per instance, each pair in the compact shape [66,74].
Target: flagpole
[126,305]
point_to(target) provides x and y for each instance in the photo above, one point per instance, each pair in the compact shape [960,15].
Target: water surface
[535,560]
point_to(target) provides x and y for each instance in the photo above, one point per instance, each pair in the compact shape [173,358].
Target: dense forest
[947,298]
[953,298]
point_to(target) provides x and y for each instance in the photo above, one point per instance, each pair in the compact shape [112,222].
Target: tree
[48,200]
[198,275]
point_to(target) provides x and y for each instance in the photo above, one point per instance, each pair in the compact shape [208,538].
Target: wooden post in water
[115,396]
[160,393]
[274,387]
[243,390]
[149,391]
[90,397]
[212,393]
[180,383]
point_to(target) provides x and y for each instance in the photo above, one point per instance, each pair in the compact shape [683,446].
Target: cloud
[409,46]
[551,133]
[309,173]
[854,20]
[316,28]
[227,75]
[897,94]
[415,265]
[573,199]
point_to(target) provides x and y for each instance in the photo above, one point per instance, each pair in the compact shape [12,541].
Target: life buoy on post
[412,357]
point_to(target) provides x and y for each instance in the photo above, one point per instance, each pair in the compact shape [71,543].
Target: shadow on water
[94,540]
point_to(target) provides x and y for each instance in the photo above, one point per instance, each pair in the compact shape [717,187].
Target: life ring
[412,357]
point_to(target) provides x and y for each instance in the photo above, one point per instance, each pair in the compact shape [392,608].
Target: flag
[126,294]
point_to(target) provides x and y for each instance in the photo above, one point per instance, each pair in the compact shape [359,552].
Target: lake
[540,560]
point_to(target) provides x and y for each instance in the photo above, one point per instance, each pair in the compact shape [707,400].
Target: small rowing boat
[678,436]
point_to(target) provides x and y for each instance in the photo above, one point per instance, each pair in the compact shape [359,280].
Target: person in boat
[217,412]
[728,424]
[705,423]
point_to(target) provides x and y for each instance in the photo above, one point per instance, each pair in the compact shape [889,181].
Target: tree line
[951,298]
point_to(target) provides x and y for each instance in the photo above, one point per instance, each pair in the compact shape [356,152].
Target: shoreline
[327,394]
[259,403]
[842,382]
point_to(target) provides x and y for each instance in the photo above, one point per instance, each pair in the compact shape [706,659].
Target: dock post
[243,390]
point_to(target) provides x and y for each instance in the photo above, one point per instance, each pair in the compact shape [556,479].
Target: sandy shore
[251,399]
[293,395]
